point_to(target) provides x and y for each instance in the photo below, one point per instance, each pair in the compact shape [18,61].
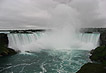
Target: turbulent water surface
[46,61]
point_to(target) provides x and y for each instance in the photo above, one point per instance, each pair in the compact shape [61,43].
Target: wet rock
[103,39]
[99,54]
[4,50]
[98,58]
[92,68]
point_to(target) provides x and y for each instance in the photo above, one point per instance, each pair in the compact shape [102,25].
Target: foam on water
[46,61]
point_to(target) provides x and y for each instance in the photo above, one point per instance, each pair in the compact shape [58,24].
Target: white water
[38,41]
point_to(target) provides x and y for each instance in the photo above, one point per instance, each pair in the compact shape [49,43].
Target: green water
[45,61]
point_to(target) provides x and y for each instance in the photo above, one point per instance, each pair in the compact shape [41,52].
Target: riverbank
[98,58]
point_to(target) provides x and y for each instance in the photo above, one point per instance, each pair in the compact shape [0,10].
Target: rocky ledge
[4,50]
[98,64]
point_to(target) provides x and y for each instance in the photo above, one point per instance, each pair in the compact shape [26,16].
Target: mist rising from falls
[65,18]
[38,41]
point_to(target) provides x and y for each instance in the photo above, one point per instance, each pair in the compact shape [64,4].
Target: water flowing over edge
[44,53]
[40,40]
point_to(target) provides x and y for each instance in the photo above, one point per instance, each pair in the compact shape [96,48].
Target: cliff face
[103,39]
[4,50]
[3,40]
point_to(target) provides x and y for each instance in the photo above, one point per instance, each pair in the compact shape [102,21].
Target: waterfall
[89,40]
[17,41]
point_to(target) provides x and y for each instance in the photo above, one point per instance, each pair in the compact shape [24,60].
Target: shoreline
[98,64]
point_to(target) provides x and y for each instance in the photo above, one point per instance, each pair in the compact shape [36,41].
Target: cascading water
[48,60]
[87,41]
[18,41]
[60,51]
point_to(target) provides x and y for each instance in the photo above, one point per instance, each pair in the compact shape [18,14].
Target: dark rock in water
[7,52]
[92,68]
[99,54]
[4,50]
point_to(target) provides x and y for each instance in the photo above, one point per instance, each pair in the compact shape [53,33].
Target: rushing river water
[46,61]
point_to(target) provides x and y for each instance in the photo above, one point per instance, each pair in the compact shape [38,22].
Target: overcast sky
[52,13]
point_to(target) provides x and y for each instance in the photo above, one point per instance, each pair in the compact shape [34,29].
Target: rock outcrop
[99,55]
[92,68]
[98,59]
[4,50]
[103,39]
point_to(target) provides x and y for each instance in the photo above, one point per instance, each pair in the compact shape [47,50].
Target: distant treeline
[22,31]
[84,30]
[90,30]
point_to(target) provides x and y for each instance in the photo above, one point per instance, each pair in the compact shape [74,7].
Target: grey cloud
[50,13]
[89,13]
